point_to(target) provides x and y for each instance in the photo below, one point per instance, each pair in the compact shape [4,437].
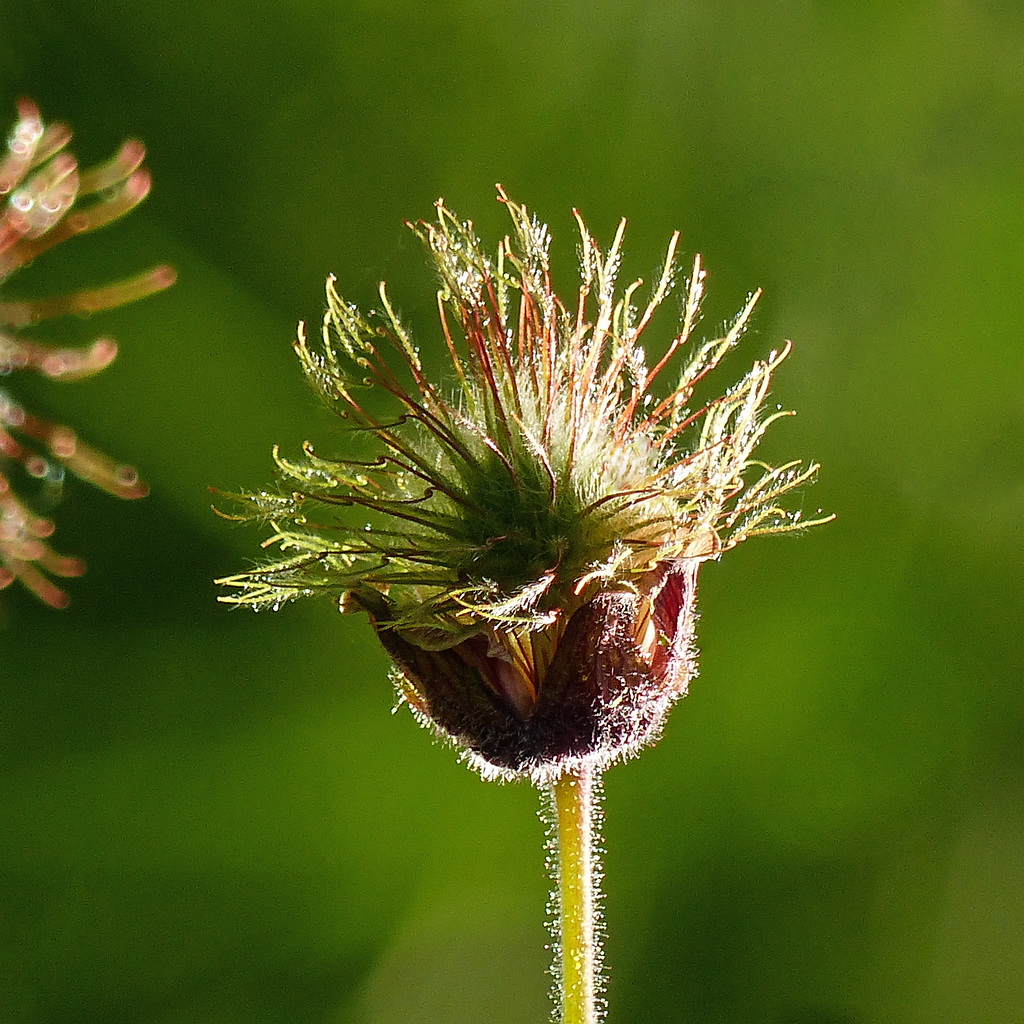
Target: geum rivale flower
[48,200]
[527,546]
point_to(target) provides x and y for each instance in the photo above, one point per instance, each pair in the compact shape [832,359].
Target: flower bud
[530,545]
[620,662]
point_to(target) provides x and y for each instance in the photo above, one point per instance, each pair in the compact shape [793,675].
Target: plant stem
[575,798]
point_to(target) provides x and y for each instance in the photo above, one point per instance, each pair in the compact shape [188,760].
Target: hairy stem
[575,801]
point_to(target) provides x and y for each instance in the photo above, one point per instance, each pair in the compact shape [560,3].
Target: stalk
[575,803]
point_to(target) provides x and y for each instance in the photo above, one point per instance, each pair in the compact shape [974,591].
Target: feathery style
[49,200]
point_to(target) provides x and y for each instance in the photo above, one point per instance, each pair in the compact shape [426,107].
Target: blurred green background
[212,816]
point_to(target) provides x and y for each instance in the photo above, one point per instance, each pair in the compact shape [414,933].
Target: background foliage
[212,816]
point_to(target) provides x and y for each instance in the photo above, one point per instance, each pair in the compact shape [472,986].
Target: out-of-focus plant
[527,547]
[48,199]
